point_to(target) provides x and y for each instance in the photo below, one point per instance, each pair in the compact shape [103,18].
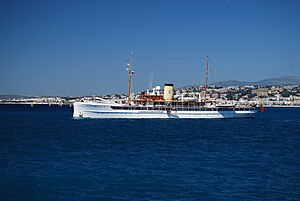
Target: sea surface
[46,154]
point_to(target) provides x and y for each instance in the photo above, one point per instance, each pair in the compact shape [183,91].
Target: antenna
[151,80]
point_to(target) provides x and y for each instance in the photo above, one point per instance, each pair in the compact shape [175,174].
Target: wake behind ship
[158,103]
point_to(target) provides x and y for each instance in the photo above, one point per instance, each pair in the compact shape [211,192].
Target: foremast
[206,79]
[131,72]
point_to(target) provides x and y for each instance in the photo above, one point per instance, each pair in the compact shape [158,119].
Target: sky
[81,47]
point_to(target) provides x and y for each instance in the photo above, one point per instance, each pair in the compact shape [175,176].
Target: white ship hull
[105,110]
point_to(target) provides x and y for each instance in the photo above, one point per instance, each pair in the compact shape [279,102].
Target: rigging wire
[215,65]
[102,82]
[170,58]
[109,76]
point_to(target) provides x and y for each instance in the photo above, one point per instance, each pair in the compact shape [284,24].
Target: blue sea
[45,154]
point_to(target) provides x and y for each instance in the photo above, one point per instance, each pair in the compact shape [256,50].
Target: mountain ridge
[284,80]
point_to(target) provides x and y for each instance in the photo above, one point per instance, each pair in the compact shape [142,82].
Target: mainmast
[206,78]
[131,72]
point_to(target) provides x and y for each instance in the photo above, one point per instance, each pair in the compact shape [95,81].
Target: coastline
[70,104]
[33,104]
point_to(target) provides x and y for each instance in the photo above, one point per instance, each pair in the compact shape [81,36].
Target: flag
[262,109]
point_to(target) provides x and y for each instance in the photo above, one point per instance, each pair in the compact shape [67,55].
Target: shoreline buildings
[272,96]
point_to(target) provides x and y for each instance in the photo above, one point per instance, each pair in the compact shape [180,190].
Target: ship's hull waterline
[105,110]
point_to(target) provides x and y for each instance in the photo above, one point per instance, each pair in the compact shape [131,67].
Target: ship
[161,104]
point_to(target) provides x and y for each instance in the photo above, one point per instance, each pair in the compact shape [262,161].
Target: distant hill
[286,80]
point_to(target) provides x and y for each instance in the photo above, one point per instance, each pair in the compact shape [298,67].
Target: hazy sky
[71,47]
